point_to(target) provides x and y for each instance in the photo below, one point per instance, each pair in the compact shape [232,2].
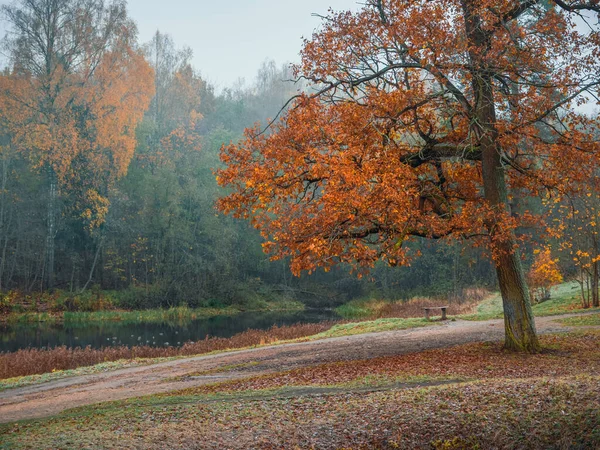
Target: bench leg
[427,314]
[444,317]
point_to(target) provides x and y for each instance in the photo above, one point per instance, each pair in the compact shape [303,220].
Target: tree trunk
[3,226]
[51,226]
[92,270]
[582,285]
[519,325]
[595,276]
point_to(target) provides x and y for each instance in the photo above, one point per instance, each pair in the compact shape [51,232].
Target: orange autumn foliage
[425,119]
[84,131]
[390,147]
[544,274]
[577,223]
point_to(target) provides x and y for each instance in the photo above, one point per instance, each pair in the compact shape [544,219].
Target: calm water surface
[18,336]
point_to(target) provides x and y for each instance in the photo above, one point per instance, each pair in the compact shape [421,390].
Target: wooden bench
[443,308]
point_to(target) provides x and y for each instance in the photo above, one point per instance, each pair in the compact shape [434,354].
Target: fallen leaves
[505,414]
[565,355]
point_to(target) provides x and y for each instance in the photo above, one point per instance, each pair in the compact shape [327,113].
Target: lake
[17,336]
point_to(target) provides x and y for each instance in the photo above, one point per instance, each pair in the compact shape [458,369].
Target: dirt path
[51,398]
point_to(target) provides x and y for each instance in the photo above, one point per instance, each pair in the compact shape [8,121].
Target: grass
[360,309]
[377,308]
[30,317]
[38,361]
[497,400]
[221,369]
[477,304]
[32,366]
[171,315]
[60,361]
[564,299]
[28,380]
[582,321]
[371,326]
[534,413]
[565,355]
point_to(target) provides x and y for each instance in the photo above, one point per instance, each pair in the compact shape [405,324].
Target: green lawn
[372,326]
[582,321]
[565,298]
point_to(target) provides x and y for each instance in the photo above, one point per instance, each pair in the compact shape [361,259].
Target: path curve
[50,398]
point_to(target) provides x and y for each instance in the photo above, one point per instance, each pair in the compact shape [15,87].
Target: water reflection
[14,337]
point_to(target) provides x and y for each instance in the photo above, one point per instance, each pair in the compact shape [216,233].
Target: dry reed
[466,303]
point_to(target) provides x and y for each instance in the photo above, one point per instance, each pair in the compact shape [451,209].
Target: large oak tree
[430,117]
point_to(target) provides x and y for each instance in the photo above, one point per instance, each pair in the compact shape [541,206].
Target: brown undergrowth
[465,303]
[414,307]
[37,361]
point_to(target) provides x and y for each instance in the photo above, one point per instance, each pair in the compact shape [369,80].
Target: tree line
[108,151]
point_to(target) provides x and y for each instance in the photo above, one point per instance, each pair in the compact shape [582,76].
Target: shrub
[543,275]
[8,301]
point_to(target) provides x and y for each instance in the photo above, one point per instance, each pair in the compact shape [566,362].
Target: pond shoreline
[144,315]
[158,329]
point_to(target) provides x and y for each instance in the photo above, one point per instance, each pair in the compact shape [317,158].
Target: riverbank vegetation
[107,306]
[475,304]
[377,308]
[562,299]
[38,361]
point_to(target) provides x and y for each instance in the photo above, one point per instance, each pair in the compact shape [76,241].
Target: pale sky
[230,39]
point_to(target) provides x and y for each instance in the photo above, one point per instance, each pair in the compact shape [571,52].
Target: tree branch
[439,151]
[592,5]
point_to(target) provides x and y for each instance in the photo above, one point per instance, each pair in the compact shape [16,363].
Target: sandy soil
[51,398]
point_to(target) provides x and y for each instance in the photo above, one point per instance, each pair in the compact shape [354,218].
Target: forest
[123,198]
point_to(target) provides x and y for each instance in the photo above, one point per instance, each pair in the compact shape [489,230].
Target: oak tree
[429,117]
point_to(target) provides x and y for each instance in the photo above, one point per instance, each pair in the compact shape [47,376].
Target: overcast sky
[230,38]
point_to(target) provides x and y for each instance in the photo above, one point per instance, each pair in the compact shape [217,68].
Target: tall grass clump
[465,303]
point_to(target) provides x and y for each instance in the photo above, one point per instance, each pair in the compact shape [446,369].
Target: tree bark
[51,226]
[3,226]
[595,293]
[581,282]
[520,333]
[92,270]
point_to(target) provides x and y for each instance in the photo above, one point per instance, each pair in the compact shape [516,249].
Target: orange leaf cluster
[544,274]
[390,149]
[85,133]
